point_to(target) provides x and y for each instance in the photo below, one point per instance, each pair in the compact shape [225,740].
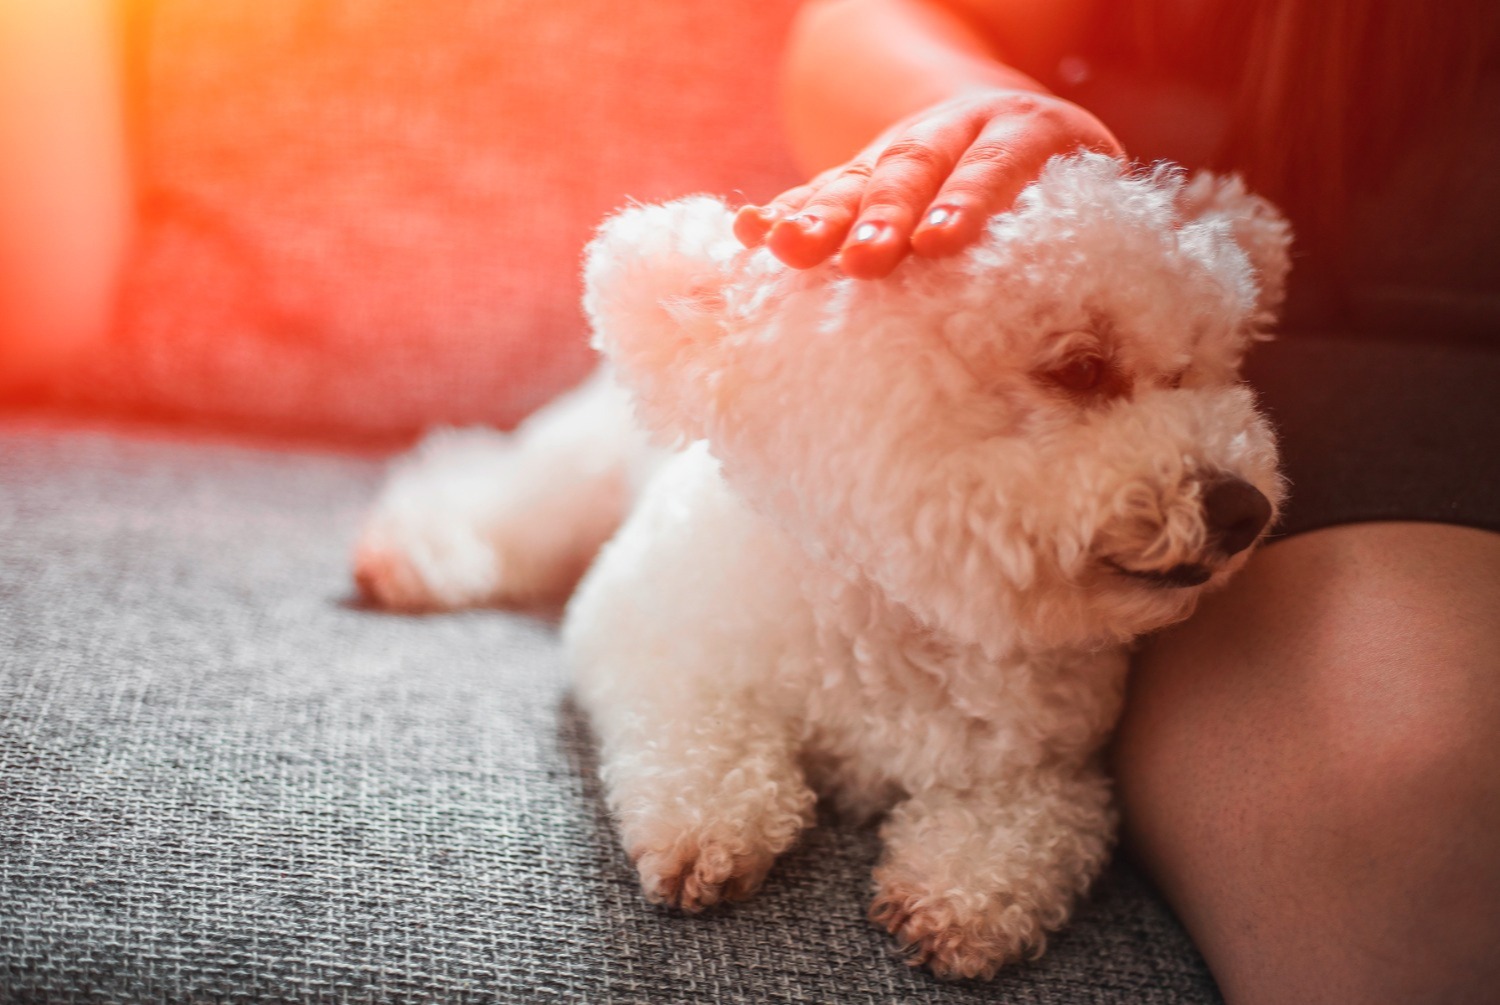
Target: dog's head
[1043,440]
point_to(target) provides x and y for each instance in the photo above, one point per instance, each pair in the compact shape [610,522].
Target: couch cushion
[368,217]
[221,779]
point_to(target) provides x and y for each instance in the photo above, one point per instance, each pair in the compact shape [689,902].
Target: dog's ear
[654,278]
[1262,233]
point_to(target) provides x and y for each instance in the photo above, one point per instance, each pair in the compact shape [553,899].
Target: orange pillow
[367,218]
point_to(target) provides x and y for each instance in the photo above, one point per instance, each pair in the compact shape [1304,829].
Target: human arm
[65,197]
[920,119]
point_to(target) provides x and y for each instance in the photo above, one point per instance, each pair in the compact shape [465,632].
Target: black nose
[1235,512]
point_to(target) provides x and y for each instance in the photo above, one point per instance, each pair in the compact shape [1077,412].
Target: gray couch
[223,780]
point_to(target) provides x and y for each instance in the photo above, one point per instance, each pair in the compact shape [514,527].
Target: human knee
[1402,719]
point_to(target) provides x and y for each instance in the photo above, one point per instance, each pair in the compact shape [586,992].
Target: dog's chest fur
[893,706]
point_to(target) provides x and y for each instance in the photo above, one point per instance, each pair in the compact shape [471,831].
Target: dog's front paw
[953,934]
[701,869]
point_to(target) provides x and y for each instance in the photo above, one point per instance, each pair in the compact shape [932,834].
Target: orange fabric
[368,218]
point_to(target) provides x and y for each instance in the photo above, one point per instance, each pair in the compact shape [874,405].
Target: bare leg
[1309,769]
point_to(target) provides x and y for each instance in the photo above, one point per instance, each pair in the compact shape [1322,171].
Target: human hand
[926,185]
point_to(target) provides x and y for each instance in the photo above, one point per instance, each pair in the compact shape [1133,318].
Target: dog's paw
[385,578]
[954,935]
[700,870]
[442,571]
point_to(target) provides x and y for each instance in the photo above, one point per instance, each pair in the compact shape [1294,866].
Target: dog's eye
[1080,374]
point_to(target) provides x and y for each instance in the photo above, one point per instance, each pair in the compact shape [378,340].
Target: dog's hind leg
[477,517]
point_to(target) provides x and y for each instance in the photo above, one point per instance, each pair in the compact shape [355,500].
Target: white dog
[913,527]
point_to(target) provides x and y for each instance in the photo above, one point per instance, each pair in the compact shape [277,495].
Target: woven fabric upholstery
[223,781]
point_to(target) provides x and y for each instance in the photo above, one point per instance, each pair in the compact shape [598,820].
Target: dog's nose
[1234,513]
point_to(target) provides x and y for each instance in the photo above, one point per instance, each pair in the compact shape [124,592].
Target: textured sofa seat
[222,780]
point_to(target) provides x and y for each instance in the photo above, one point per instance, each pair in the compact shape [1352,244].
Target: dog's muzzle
[1234,514]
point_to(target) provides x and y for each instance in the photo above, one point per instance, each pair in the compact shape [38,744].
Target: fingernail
[941,216]
[866,232]
[805,222]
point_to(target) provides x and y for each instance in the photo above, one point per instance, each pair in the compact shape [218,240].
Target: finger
[753,223]
[813,234]
[907,176]
[1007,155]
[1001,161]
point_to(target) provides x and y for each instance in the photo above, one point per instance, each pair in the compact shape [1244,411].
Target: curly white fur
[912,525]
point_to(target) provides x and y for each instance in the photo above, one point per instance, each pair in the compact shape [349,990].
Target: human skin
[914,128]
[1307,766]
